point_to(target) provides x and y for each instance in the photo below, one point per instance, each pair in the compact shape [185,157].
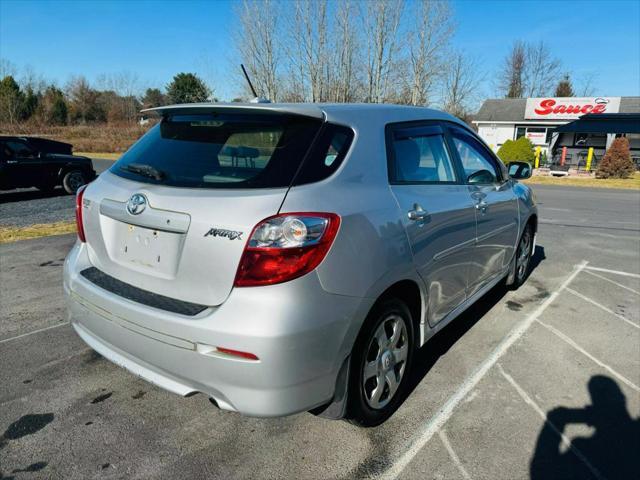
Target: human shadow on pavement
[612,451]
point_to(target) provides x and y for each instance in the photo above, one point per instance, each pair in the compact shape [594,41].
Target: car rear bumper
[300,334]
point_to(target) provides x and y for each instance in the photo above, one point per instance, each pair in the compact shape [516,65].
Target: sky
[156,40]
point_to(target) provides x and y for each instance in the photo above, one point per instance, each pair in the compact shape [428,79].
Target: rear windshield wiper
[145,170]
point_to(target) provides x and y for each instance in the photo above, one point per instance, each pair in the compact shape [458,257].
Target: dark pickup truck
[42,163]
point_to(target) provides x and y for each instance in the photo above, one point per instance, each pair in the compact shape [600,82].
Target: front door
[22,165]
[437,211]
[496,209]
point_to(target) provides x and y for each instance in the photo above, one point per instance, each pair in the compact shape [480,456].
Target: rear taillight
[79,220]
[285,247]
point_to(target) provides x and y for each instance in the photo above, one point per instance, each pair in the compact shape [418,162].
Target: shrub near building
[520,150]
[617,162]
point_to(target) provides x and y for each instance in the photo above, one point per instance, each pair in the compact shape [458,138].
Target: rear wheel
[523,257]
[380,363]
[73,180]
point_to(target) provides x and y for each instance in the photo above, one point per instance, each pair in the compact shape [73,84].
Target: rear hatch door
[173,215]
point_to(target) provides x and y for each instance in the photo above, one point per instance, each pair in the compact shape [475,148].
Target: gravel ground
[28,206]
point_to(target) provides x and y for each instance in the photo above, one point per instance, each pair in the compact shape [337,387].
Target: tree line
[81,103]
[392,51]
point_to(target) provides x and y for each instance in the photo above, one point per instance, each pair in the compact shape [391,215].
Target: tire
[522,257]
[370,404]
[73,180]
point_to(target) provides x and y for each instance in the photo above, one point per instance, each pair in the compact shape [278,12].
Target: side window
[5,152]
[419,155]
[19,149]
[479,166]
[327,155]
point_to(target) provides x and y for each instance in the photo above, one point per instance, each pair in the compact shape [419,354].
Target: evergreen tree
[564,88]
[153,97]
[617,162]
[187,88]
[11,100]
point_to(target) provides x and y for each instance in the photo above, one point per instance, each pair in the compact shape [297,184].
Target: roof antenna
[256,98]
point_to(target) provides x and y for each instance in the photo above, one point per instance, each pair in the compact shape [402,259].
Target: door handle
[417,213]
[482,206]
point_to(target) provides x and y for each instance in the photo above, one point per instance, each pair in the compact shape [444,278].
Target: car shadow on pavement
[610,452]
[427,356]
[31,194]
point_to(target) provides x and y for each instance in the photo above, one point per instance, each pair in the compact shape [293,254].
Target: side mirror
[519,170]
[481,176]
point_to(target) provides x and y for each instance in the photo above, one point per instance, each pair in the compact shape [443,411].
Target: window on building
[634,140]
[590,140]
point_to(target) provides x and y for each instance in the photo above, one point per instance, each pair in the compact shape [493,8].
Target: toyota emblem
[136,204]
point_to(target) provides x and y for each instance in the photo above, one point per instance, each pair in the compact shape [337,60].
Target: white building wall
[496,134]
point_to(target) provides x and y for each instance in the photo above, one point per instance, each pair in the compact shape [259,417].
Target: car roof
[353,114]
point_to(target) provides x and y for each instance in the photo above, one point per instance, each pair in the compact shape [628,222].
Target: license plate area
[143,249]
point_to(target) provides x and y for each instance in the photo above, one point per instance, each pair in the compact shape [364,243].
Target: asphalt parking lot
[540,383]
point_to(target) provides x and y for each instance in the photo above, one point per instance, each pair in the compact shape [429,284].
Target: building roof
[512,109]
[604,123]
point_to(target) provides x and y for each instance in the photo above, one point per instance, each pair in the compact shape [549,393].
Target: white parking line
[34,332]
[615,272]
[602,307]
[611,281]
[453,455]
[567,443]
[561,335]
[439,419]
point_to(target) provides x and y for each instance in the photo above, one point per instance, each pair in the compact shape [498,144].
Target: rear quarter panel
[371,250]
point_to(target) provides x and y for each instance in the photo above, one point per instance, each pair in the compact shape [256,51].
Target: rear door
[437,212]
[496,208]
[173,215]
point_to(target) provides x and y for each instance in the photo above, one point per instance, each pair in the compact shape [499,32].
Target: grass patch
[632,183]
[98,137]
[100,155]
[13,234]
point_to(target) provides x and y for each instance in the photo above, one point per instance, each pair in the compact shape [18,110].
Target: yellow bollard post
[589,158]
[537,157]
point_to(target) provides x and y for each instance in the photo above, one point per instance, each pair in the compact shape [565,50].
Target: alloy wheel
[385,361]
[523,255]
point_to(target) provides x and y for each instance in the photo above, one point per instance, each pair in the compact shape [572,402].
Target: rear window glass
[328,153]
[220,151]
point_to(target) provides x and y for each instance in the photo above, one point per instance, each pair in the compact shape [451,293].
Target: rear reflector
[237,353]
[79,219]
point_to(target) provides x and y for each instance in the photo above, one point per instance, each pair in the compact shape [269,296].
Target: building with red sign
[499,120]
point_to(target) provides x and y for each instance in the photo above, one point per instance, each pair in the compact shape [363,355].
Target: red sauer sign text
[569,108]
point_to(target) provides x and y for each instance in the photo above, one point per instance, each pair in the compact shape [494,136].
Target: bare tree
[381,22]
[83,100]
[431,30]
[586,86]
[7,68]
[460,85]
[511,81]
[119,97]
[32,79]
[541,70]
[259,46]
[308,48]
[345,60]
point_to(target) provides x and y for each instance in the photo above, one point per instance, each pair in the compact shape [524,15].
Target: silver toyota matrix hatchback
[285,258]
